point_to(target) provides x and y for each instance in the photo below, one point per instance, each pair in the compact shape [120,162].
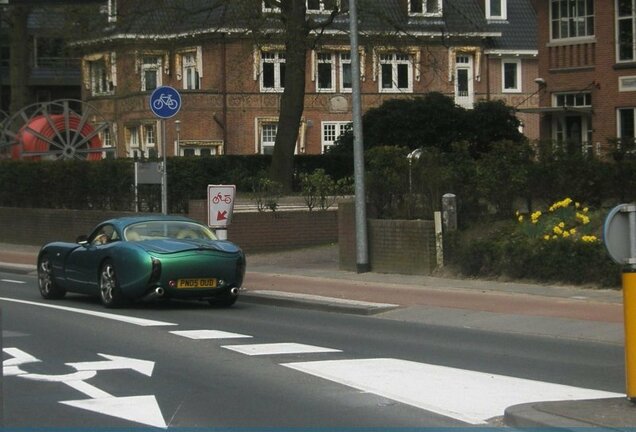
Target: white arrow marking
[10,367]
[139,409]
[144,367]
[77,376]
[19,357]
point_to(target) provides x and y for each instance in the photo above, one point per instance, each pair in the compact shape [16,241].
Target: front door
[464,93]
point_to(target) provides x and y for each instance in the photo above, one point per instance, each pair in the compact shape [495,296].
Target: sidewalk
[310,278]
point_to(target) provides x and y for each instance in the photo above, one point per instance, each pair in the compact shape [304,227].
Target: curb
[604,414]
[17,268]
[307,301]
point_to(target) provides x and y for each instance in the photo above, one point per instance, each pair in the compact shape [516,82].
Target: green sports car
[139,257]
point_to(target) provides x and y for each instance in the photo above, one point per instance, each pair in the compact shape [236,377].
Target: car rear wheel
[49,289]
[109,291]
[223,301]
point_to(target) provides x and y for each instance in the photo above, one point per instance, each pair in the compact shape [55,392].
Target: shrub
[558,244]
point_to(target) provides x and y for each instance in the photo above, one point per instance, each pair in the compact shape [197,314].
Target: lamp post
[362,249]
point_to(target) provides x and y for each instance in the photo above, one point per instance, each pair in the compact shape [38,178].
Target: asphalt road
[263,366]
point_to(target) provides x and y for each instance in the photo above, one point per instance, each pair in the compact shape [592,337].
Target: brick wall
[395,246]
[257,232]
[254,232]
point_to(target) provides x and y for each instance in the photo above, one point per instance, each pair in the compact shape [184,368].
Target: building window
[325,79]
[100,85]
[573,99]
[272,71]
[425,7]
[267,139]
[112,11]
[396,73]
[150,73]
[190,72]
[496,9]
[626,123]
[141,140]
[511,75]
[331,131]
[346,83]
[572,18]
[626,20]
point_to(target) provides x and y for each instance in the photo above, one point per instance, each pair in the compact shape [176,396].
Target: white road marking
[144,367]
[468,396]
[12,281]
[130,320]
[89,390]
[208,334]
[139,409]
[278,348]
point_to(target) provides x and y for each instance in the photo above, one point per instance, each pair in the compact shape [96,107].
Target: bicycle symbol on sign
[165,99]
[227,198]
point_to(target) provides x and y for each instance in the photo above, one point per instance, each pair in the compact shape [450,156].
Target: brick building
[587,72]
[231,76]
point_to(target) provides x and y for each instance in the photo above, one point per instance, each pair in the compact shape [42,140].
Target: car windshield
[156,230]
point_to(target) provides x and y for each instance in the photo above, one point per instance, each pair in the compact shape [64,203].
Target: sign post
[220,208]
[165,102]
[619,236]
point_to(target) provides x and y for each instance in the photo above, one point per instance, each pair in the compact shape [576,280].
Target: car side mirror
[83,239]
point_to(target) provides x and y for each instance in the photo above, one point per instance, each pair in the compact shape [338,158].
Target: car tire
[49,289]
[109,291]
[223,301]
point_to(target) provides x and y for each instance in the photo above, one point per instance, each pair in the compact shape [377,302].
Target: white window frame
[277,58]
[517,63]
[112,11]
[190,71]
[330,59]
[575,99]
[100,85]
[269,144]
[343,59]
[583,17]
[503,4]
[395,60]
[424,6]
[632,20]
[149,67]
[627,84]
[339,128]
[619,125]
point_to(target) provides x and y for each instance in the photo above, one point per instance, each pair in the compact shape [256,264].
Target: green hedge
[109,184]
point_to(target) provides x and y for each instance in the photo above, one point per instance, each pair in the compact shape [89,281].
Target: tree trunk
[293,98]
[19,57]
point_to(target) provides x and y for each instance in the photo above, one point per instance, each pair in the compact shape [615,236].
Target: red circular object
[30,142]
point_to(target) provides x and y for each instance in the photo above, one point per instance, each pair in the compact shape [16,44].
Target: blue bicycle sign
[165,102]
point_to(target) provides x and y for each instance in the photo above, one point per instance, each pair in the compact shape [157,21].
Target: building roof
[169,19]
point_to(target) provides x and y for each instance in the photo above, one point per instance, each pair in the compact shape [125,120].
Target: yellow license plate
[196,283]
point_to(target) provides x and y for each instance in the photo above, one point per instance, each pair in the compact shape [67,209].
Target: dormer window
[425,7]
[496,9]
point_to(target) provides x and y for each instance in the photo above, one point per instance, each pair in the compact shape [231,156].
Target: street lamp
[415,154]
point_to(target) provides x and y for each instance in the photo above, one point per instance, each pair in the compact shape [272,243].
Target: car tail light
[155,273]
